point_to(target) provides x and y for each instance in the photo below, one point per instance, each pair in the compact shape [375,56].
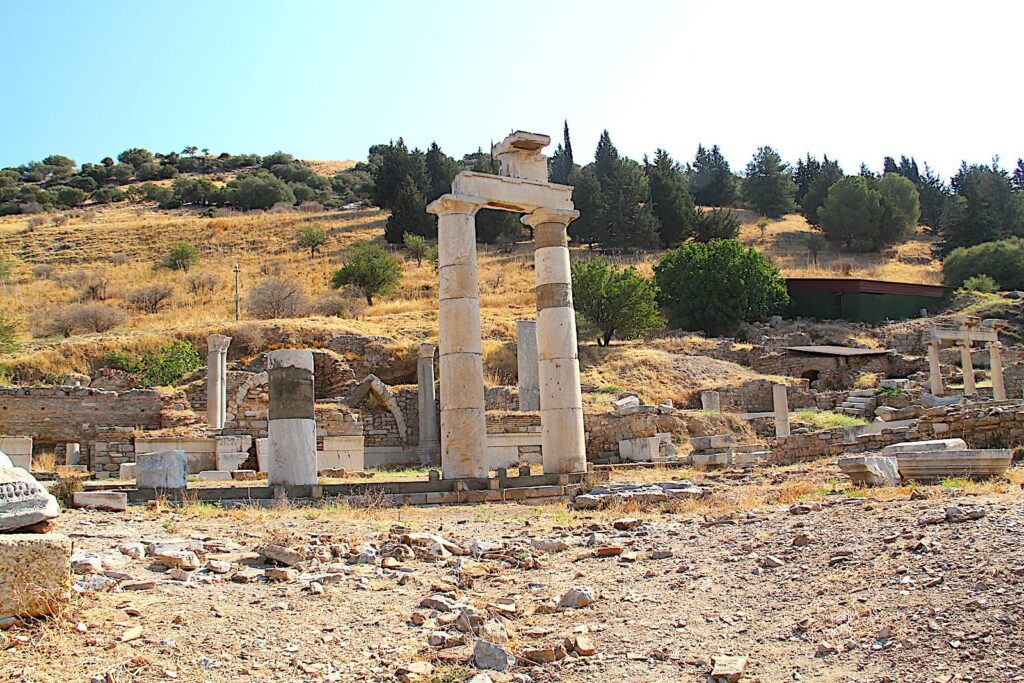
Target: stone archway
[234,402]
[373,386]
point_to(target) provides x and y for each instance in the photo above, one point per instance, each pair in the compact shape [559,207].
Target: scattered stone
[162,470]
[581,645]
[285,574]
[825,648]
[86,564]
[490,656]
[246,575]
[282,555]
[218,566]
[543,655]
[804,508]
[549,545]
[136,551]
[801,540]
[493,632]
[177,559]
[608,551]
[661,553]
[626,523]
[416,672]
[576,597]
[35,574]
[644,494]
[728,669]
[138,586]
[871,470]
[179,574]
[771,561]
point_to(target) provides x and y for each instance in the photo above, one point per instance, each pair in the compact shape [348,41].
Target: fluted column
[561,403]
[934,369]
[430,436]
[463,422]
[216,379]
[967,365]
[996,369]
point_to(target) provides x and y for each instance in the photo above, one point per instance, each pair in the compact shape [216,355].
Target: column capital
[546,215]
[427,351]
[454,203]
[218,342]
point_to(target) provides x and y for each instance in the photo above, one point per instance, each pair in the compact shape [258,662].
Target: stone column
[996,368]
[967,365]
[526,356]
[430,436]
[292,426]
[711,401]
[934,369]
[216,380]
[72,454]
[781,405]
[463,423]
[561,402]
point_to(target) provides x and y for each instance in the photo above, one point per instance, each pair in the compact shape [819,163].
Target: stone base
[35,574]
[934,466]
[871,470]
[926,446]
[126,471]
[215,475]
[162,470]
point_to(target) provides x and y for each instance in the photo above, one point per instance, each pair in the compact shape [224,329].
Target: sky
[326,79]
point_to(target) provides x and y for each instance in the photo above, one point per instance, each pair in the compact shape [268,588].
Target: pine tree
[814,198]
[1018,176]
[985,208]
[606,158]
[768,185]
[409,214]
[804,175]
[670,201]
[711,180]
[589,202]
[441,170]
[561,167]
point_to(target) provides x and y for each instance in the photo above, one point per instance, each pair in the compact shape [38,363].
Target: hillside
[57,257]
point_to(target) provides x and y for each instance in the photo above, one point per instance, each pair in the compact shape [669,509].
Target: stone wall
[605,430]
[110,449]
[755,396]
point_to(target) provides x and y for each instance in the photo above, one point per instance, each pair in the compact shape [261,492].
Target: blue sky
[324,80]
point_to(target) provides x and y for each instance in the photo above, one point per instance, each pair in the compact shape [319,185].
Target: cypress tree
[561,167]
[670,200]
[441,170]
[768,185]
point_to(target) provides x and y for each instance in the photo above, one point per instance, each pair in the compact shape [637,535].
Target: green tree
[259,190]
[441,170]
[614,303]
[135,157]
[768,186]
[715,224]
[157,193]
[108,195]
[589,201]
[312,237]
[814,198]
[561,166]
[369,269]
[984,208]
[901,209]
[851,212]
[1003,261]
[716,285]
[416,246]
[670,200]
[804,174]
[167,366]
[190,191]
[182,256]
[409,214]
[69,196]
[711,180]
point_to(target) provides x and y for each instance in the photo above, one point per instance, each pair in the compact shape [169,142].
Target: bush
[981,283]
[45,271]
[312,237]
[95,287]
[417,246]
[69,196]
[108,195]
[1003,261]
[149,298]
[614,303]
[8,333]
[157,193]
[201,283]
[369,269]
[276,297]
[259,190]
[716,224]
[161,368]
[333,304]
[717,285]
[182,256]
[94,317]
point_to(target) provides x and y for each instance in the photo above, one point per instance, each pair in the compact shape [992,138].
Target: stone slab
[925,446]
[934,466]
[871,470]
[126,471]
[215,475]
[35,574]
[162,470]
[112,501]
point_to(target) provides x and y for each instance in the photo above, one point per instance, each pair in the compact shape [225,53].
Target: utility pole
[236,271]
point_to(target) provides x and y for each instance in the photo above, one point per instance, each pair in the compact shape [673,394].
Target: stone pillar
[526,355]
[967,365]
[711,401]
[463,423]
[561,402]
[781,405]
[72,454]
[934,369]
[430,436]
[996,368]
[291,427]
[216,380]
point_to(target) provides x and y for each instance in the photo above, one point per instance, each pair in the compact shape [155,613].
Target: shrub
[8,333]
[45,271]
[157,193]
[95,288]
[370,270]
[5,269]
[108,195]
[717,285]
[614,303]
[815,244]
[312,237]
[201,283]
[95,317]
[249,339]
[182,256]
[160,368]
[276,297]
[333,304]
[69,196]
[149,298]
[259,190]
[981,283]
[716,224]
[417,246]
[1003,261]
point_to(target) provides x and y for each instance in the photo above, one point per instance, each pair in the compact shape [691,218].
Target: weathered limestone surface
[19,450]
[528,370]
[292,427]
[429,447]
[781,405]
[929,445]
[871,470]
[35,574]
[23,500]
[341,453]
[934,466]
[112,501]
[711,401]
[161,470]
[217,380]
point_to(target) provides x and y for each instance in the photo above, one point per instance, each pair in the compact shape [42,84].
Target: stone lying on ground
[161,470]
[490,656]
[626,402]
[659,492]
[922,446]
[576,597]
[282,555]
[727,668]
[23,500]
[174,558]
[35,574]
[215,475]
[934,466]
[871,470]
[887,414]
[113,501]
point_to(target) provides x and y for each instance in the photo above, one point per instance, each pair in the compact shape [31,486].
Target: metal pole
[236,292]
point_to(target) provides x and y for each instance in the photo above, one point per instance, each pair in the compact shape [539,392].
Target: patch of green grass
[826,419]
[610,389]
[954,483]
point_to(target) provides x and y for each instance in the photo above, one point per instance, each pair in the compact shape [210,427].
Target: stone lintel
[967,335]
[520,195]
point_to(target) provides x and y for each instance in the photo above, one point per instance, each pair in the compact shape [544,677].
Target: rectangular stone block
[112,501]
[162,470]
[35,574]
[215,475]
[126,471]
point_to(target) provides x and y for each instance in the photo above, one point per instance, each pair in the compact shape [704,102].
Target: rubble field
[779,574]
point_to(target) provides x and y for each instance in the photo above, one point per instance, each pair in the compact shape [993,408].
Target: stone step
[861,400]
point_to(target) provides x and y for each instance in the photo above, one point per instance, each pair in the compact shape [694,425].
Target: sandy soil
[846,586]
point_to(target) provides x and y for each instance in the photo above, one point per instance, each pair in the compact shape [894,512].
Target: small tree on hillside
[768,185]
[715,286]
[277,297]
[312,237]
[182,256]
[716,224]
[850,212]
[417,247]
[69,196]
[369,269]
[613,303]
[8,333]
[409,214]
[901,209]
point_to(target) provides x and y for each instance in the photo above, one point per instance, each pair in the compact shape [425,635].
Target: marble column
[967,365]
[292,425]
[430,436]
[463,422]
[996,369]
[526,357]
[934,369]
[561,402]
[72,454]
[216,380]
[781,405]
